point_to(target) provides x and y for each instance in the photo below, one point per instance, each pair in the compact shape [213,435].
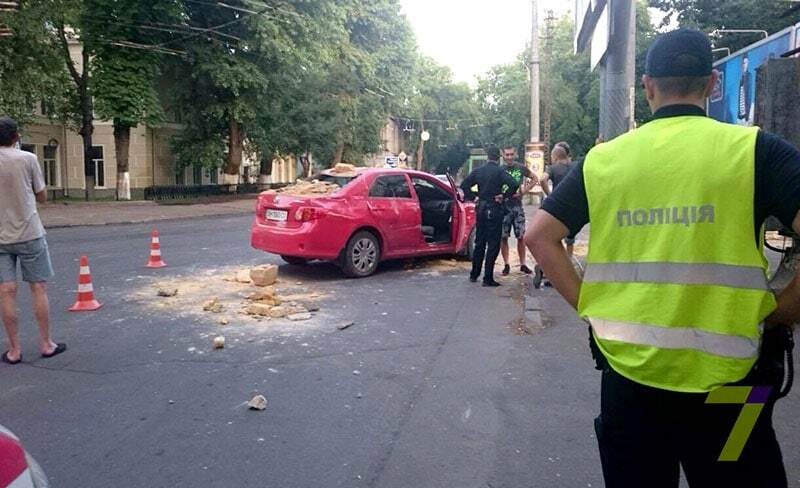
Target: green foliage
[708,15]
[124,78]
[32,67]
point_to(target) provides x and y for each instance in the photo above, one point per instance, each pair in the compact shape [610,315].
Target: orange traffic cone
[155,252]
[86,301]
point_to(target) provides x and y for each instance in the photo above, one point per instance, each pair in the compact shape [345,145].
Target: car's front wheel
[361,255]
[294,260]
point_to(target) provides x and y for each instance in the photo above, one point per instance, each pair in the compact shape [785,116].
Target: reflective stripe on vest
[751,277]
[676,338]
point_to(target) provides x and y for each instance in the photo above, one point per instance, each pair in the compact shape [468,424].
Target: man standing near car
[22,240]
[495,186]
[515,216]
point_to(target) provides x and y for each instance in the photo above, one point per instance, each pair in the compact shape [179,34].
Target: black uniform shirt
[777,180]
[490,179]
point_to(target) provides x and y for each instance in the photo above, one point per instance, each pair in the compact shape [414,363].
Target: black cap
[682,52]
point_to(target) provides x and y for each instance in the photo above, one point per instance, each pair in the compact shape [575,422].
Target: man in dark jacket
[490,211]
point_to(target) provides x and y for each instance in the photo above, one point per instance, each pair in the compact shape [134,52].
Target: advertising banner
[733,98]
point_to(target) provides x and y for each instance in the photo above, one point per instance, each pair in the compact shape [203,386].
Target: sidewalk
[73,214]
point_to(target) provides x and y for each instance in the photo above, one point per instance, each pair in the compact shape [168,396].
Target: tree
[124,78]
[708,15]
[32,69]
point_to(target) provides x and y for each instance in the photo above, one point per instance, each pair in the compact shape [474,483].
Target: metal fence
[184,192]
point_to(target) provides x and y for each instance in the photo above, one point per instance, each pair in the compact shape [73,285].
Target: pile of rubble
[314,187]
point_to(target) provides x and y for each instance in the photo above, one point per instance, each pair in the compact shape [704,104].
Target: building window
[99,167]
[213,174]
[197,175]
[50,166]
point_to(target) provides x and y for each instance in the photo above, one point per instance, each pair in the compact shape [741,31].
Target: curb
[147,221]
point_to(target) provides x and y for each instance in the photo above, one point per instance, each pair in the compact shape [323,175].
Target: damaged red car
[374,215]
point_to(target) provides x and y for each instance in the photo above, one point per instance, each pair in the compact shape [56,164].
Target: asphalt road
[433,385]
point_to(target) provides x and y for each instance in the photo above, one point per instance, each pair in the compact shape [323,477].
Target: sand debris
[299,317]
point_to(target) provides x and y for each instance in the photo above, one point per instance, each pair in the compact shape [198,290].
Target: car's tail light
[306,214]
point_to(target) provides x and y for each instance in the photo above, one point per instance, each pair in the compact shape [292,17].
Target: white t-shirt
[20,179]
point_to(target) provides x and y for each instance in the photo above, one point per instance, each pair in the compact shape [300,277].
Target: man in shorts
[22,240]
[515,216]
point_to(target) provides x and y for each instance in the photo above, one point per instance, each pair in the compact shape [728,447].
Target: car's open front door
[460,229]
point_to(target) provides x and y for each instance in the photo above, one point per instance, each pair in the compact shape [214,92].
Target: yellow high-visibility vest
[675,286]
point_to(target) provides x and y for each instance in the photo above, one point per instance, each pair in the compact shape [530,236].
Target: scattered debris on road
[224,321]
[258,402]
[299,317]
[219,342]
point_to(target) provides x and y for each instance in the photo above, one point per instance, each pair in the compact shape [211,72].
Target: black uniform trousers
[489,231]
[646,433]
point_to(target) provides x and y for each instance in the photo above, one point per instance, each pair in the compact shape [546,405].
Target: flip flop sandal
[60,347]
[8,361]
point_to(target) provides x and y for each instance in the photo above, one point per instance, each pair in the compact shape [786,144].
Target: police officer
[490,210]
[675,286]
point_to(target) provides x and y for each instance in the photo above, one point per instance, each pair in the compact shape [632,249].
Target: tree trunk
[122,142]
[305,161]
[231,171]
[338,154]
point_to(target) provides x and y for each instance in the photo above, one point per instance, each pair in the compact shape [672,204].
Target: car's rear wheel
[361,255]
[469,247]
[294,260]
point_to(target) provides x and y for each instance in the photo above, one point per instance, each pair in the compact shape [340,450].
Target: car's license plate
[277,215]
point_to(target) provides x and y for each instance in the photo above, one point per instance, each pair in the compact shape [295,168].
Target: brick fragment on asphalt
[219,342]
[298,317]
[264,275]
[258,402]
[345,325]
[213,306]
[167,292]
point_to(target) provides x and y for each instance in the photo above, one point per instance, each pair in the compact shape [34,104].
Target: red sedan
[378,214]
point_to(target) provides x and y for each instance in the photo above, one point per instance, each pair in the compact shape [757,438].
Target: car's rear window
[342,181]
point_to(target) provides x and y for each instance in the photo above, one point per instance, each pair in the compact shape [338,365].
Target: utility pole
[534,149]
[534,67]
[617,71]
[547,80]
